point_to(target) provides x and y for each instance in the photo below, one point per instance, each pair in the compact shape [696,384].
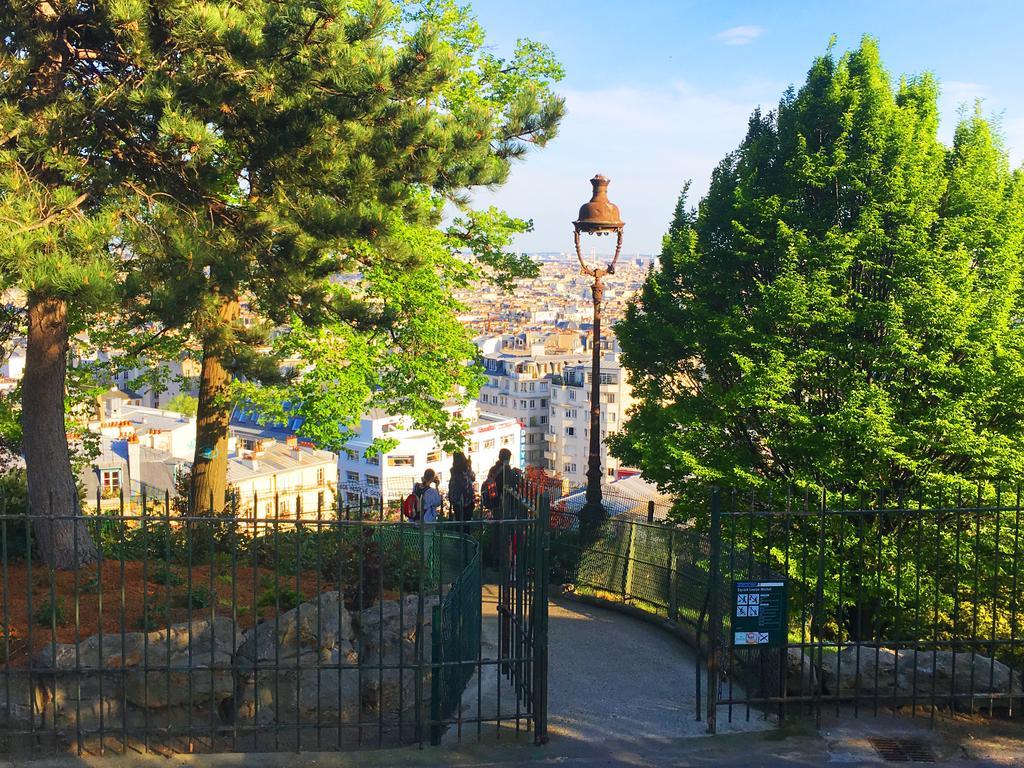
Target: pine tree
[307,140]
[66,81]
[842,308]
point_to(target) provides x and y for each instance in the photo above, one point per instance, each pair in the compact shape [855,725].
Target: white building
[145,450]
[568,434]
[519,370]
[13,365]
[176,377]
[391,475]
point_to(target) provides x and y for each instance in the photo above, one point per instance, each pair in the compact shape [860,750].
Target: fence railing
[887,605]
[245,633]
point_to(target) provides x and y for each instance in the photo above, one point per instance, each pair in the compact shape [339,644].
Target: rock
[801,675]
[387,636]
[21,701]
[310,628]
[184,669]
[103,674]
[294,670]
[905,675]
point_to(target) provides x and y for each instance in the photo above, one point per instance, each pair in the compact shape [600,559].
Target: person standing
[429,497]
[462,489]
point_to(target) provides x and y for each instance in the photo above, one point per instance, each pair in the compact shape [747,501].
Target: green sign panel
[759,614]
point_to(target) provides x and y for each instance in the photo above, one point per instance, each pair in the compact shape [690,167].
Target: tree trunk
[210,466]
[61,533]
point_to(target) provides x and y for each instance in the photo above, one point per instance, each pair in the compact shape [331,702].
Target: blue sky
[659,90]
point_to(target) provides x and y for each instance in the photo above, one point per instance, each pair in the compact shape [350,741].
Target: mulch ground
[117,595]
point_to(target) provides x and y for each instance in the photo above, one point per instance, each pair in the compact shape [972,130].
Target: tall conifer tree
[843,309]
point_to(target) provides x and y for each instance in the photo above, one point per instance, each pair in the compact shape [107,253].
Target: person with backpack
[494,485]
[462,488]
[491,493]
[424,503]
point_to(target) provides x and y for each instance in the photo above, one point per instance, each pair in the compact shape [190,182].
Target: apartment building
[519,370]
[145,450]
[567,440]
[391,475]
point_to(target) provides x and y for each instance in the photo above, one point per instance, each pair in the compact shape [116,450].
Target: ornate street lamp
[599,216]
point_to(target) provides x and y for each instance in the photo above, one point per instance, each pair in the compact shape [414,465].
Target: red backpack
[413,504]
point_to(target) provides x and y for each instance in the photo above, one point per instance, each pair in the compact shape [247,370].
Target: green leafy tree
[843,309]
[305,154]
[184,404]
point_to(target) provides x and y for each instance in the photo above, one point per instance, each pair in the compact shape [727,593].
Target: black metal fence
[894,607]
[223,633]
[891,606]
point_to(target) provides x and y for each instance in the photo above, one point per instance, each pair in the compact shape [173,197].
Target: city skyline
[633,100]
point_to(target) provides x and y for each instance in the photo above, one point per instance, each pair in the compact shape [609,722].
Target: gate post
[540,626]
[714,613]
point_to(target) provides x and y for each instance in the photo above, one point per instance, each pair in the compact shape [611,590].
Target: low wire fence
[221,633]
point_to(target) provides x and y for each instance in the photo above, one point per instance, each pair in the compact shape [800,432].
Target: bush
[16,534]
[355,569]
[52,613]
[281,598]
[154,617]
[165,575]
[199,596]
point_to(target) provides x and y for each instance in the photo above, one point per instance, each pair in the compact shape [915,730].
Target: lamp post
[599,216]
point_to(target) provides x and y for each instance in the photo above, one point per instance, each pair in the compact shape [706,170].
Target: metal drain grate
[903,750]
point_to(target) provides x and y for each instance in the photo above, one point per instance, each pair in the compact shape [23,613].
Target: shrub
[154,617]
[16,534]
[199,596]
[282,598]
[164,574]
[50,613]
[356,569]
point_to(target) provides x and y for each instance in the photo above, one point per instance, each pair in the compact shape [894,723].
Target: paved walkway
[613,678]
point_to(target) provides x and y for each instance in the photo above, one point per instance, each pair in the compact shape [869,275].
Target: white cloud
[647,140]
[742,35]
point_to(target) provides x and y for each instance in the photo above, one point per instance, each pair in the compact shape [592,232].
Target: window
[570,468]
[607,378]
[506,440]
[110,480]
[533,403]
[611,397]
[401,461]
[352,477]
[373,460]
[351,455]
[572,394]
[570,431]
[488,444]
[543,402]
[612,417]
[372,481]
[435,456]
[570,413]
[522,404]
[388,427]
[474,447]
[533,387]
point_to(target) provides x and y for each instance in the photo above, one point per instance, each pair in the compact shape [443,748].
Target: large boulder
[905,675]
[92,682]
[294,669]
[395,636]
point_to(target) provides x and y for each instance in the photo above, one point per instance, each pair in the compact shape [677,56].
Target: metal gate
[864,605]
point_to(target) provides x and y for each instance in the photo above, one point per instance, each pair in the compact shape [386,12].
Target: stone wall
[315,665]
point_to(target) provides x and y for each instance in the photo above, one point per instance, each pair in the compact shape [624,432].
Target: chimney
[292,442]
[253,462]
[134,460]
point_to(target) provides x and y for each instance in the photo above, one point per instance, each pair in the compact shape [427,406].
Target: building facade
[568,435]
[390,476]
[519,370]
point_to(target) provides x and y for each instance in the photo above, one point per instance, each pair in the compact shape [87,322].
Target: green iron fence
[221,633]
